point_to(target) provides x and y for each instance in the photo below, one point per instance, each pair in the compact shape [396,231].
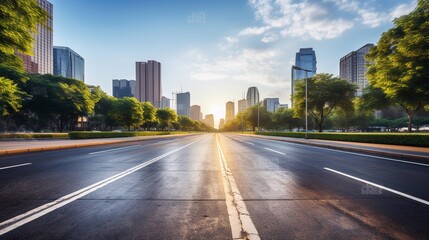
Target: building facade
[270,104]
[252,96]
[221,123]
[230,111]
[280,105]
[183,101]
[148,82]
[353,68]
[242,105]
[165,102]
[123,88]
[209,120]
[195,113]
[68,63]
[306,59]
[42,60]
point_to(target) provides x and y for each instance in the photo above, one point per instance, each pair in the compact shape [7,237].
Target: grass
[405,139]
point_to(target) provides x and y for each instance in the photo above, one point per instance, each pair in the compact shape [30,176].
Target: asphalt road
[212,186]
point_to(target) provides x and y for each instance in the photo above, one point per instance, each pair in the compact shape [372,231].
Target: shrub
[88,135]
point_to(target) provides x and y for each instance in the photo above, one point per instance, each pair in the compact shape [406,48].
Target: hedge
[32,135]
[405,139]
[88,135]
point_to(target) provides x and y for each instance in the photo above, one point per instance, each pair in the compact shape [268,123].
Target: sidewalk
[396,151]
[33,145]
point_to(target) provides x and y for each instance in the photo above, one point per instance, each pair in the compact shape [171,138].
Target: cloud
[402,9]
[269,37]
[253,31]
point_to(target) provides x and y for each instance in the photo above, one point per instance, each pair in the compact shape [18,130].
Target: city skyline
[223,51]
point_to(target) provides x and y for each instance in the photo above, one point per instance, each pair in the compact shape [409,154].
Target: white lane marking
[372,156]
[380,186]
[242,226]
[115,149]
[250,143]
[272,150]
[31,215]
[14,166]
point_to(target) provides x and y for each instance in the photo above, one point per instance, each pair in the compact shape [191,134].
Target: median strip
[380,186]
[242,226]
[38,212]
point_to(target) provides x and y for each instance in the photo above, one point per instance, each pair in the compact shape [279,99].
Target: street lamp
[258,114]
[306,95]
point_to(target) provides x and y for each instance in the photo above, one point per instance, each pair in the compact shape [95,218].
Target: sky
[217,49]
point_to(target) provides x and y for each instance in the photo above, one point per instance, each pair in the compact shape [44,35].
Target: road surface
[211,186]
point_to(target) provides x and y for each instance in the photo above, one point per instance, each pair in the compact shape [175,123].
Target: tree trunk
[410,122]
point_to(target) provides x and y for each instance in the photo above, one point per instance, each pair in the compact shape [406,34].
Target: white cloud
[253,31]
[231,39]
[269,37]
[402,9]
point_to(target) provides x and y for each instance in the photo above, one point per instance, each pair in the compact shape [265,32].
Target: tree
[166,117]
[18,24]
[401,62]
[128,112]
[186,123]
[251,115]
[10,97]
[325,93]
[149,114]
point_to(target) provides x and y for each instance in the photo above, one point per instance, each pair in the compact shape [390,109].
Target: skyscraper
[270,104]
[252,96]
[230,111]
[209,120]
[42,59]
[68,63]
[148,82]
[195,113]
[306,59]
[242,105]
[221,123]
[123,88]
[353,67]
[183,101]
[165,102]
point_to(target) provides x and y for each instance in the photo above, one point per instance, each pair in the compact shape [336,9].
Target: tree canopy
[401,62]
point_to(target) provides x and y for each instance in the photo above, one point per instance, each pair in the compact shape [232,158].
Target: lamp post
[306,95]
[258,114]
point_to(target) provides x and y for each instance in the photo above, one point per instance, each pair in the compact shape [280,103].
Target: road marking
[272,150]
[14,166]
[31,215]
[250,143]
[380,186]
[242,226]
[115,149]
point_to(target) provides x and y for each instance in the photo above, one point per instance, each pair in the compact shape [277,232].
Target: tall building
[242,105]
[306,59]
[195,113]
[148,82]
[209,120]
[165,102]
[280,105]
[252,96]
[42,60]
[68,63]
[183,101]
[270,104]
[353,68]
[221,123]
[230,111]
[123,88]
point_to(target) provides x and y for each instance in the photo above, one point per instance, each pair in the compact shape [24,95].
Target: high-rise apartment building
[148,82]
[270,104]
[42,60]
[353,68]
[305,59]
[195,113]
[68,63]
[221,123]
[252,96]
[242,105]
[123,88]
[165,102]
[209,120]
[183,101]
[230,111]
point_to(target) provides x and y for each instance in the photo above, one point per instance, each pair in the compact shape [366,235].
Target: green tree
[18,24]
[401,62]
[255,117]
[149,114]
[186,124]
[166,117]
[10,97]
[128,112]
[325,93]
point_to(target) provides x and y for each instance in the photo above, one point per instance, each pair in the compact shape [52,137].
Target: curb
[402,156]
[81,145]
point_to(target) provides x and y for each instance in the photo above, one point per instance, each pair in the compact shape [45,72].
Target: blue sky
[217,49]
